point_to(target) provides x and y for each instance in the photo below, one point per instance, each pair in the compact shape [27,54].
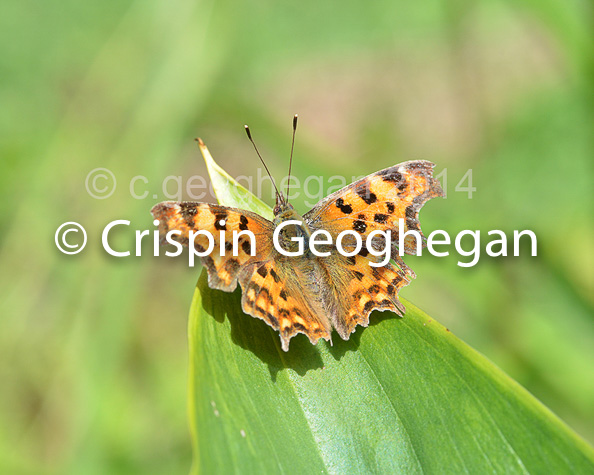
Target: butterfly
[311,294]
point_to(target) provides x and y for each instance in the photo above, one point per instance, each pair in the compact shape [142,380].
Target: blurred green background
[93,349]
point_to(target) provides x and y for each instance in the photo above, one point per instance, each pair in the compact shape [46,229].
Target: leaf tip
[204,151]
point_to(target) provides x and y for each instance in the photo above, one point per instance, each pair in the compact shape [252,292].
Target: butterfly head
[283,210]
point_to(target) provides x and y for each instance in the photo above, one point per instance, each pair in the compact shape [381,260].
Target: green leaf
[403,395]
[228,191]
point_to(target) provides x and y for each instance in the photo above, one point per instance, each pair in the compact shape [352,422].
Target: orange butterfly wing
[282,295]
[223,270]
[273,290]
[376,202]
[355,289]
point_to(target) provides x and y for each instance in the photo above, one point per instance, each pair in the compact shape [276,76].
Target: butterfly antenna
[249,134]
[291,159]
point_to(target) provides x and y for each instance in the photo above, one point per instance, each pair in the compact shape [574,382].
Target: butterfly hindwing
[275,293]
[359,288]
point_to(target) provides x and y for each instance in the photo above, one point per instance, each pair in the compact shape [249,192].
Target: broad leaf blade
[403,395]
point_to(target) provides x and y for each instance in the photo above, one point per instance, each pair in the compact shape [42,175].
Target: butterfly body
[309,293]
[290,234]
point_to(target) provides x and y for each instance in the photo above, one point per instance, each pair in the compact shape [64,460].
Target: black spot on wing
[365,193]
[263,271]
[359,225]
[344,207]
[243,223]
[380,218]
[220,223]
[274,276]
[392,176]
[246,246]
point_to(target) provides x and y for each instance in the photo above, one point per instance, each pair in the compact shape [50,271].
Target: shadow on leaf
[257,337]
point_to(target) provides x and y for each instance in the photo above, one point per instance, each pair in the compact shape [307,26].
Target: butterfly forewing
[378,202]
[220,222]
